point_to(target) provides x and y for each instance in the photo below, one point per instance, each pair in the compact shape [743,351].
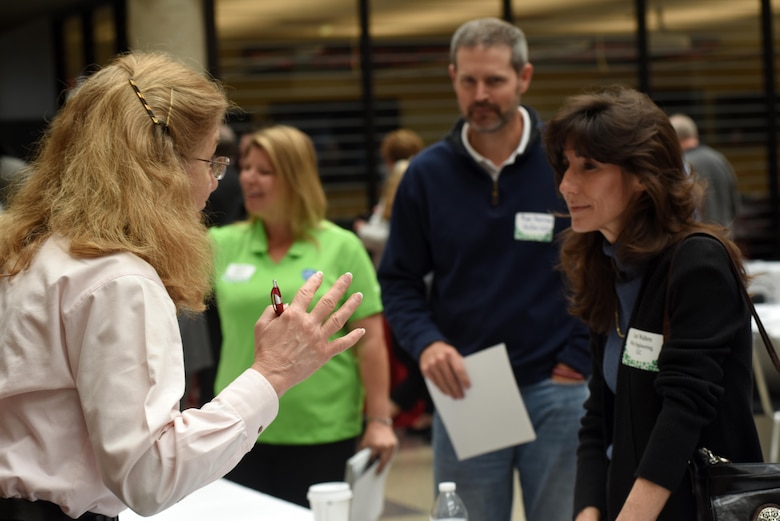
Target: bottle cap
[447,486]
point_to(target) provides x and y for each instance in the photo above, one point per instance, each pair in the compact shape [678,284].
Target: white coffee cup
[330,501]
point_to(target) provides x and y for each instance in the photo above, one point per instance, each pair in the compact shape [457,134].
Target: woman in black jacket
[634,255]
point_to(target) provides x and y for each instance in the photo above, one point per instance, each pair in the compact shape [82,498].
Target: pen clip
[276,299]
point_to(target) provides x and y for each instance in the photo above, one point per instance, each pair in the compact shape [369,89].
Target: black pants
[287,471]
[23,510]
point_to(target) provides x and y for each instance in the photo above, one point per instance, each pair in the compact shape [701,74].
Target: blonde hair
[391,186]
[294,160]
[110,180]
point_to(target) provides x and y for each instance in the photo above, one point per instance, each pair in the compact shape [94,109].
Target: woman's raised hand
[292,346]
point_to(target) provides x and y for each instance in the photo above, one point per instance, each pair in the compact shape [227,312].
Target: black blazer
[700,394]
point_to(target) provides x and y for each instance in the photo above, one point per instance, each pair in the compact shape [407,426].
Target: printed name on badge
[236,272]
[642,349]
[534,226]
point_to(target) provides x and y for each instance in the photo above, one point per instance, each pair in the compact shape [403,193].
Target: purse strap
[770,348]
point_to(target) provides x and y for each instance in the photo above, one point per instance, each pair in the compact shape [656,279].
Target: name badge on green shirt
[236,272]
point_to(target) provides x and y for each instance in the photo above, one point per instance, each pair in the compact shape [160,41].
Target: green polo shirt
[328,406]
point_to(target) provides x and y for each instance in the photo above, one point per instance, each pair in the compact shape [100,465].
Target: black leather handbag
[727,491]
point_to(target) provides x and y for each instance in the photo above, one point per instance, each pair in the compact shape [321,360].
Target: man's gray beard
[503,120]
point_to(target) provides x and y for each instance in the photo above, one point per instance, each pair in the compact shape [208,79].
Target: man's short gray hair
[489,32]
[684,126]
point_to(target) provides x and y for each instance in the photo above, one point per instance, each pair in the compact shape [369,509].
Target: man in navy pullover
[480,211]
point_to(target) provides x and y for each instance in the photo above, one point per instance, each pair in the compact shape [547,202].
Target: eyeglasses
[217,164]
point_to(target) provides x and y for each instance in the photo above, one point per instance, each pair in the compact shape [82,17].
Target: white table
[766,376]
[766,285]
[224,500]
[766,280]
[770,317]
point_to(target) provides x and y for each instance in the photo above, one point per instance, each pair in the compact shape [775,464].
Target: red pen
[276,299]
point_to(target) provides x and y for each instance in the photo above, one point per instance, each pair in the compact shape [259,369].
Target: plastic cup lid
[330,491]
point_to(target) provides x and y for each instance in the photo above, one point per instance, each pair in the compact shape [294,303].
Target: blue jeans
[546,465]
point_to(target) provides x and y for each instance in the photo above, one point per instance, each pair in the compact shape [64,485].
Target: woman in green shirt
[287,239]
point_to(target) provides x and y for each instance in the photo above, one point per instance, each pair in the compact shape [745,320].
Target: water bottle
[448,506]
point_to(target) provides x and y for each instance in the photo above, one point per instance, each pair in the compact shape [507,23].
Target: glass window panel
[575,45]
[73,54]
[299,62]
[708,64]
[411,58]
[105,33]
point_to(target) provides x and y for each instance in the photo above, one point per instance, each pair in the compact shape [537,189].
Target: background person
[460,213]
[399,145]
[99,249]
[374,232]
[226,204]
[10,168]
[288,239]
[410,403]
[202,334]
[721,197]
[632,207]
[402,143]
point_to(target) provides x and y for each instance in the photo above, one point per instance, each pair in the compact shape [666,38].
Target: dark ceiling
[15,13]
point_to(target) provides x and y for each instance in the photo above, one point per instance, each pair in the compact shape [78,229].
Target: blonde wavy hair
[111,180]
[391,187]
[294,160]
